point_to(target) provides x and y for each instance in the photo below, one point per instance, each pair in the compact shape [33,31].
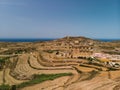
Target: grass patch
[4,87]
[41,78]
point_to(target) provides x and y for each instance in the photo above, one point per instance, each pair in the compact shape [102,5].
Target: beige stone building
[76,49]
[81,52]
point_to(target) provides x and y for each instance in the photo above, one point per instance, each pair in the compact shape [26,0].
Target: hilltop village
[83,48]
[86,59]
[70,47]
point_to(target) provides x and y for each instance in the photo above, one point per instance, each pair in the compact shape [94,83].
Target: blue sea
[108,40]
[46,39]
[26,40]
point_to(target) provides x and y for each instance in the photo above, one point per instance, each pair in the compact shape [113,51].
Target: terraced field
[84,76]
[10,80]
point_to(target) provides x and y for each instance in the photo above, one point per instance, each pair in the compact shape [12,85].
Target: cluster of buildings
[77,48]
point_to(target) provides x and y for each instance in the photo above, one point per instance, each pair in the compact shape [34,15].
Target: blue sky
[59,18]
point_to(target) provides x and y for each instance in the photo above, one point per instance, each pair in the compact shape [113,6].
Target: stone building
[76,49]
[71,47]
[81,52]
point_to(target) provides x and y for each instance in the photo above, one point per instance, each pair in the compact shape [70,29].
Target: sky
[59,18]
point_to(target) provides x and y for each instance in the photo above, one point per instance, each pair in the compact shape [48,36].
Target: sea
[26,39]
[44,39]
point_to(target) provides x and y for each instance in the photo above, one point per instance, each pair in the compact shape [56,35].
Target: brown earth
[31,59]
